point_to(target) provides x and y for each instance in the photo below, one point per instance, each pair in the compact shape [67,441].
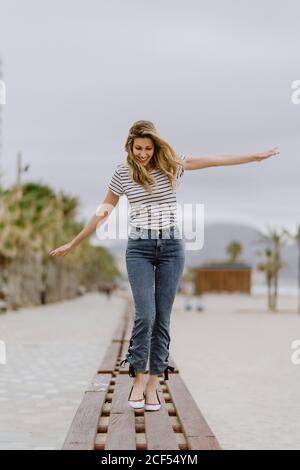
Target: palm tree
[296,238]
[13,232]
[234,250]
[266,265]
[274,240]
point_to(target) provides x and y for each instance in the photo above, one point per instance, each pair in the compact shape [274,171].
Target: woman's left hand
[269,153]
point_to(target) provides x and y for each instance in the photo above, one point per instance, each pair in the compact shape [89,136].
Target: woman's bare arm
[197,163]
[102,214]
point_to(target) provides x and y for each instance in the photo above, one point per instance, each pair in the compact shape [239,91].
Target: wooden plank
[128,330]
[99,383]
[108,363]
[198,433]
[121,426]
[173,364]
[159,430]
[83,430]
[130,320]
[120,329]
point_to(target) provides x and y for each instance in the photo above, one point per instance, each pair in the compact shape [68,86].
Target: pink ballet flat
[137,404]
[153,406]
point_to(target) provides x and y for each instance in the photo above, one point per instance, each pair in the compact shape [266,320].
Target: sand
[235,357]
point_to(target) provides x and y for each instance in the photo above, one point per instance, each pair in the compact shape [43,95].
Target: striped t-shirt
[151,211]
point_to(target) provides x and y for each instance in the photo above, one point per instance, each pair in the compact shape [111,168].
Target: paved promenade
[52,353]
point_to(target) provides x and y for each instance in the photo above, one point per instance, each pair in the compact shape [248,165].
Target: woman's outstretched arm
[197,163]
[102,214]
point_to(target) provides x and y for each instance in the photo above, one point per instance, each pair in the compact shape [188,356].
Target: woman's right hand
[62,250]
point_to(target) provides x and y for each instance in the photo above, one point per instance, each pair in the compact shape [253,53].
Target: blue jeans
[154,265]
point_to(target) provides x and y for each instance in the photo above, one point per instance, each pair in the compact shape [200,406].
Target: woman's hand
[269,153]
[62,250]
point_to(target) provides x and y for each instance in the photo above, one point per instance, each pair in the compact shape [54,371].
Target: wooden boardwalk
[105,421]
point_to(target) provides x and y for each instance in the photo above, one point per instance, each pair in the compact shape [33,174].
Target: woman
[155,250]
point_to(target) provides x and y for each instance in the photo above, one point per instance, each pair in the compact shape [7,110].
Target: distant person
[188,303]
[199,305]
[108,292]
[155,253]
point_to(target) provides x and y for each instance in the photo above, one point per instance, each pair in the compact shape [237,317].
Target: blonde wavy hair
[164,157]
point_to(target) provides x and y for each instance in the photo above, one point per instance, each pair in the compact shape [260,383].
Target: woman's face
[143,150]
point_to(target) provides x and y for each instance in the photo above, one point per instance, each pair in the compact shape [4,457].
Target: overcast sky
[214,77]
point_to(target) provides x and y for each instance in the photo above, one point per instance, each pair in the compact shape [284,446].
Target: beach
[234,356]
